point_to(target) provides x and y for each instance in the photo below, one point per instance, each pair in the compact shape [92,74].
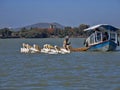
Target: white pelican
[29,49]
[61,50]
[25,48]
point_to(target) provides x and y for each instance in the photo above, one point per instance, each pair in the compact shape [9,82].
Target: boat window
[98,36]
[112,36]
[92,37]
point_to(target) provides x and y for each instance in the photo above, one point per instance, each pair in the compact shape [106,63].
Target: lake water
[74,71]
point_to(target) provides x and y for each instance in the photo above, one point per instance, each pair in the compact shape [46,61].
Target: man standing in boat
[66,43]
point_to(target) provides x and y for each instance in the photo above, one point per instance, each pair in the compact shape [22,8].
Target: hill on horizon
[42,25]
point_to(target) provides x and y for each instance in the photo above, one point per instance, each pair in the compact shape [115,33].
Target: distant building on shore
[52,26]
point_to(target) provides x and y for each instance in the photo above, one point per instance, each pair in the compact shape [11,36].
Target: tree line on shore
[46,32]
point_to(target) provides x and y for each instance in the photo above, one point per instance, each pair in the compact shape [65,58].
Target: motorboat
[102,37]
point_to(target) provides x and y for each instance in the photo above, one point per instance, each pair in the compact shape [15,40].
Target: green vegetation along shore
[45,32]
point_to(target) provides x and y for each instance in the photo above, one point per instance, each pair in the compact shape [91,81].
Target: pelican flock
[47,48]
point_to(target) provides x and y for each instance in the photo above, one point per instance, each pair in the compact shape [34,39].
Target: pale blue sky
[17,13]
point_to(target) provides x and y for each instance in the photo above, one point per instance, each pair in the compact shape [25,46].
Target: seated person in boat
[105,36]
[66,43]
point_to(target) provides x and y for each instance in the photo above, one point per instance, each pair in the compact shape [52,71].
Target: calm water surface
[74,71]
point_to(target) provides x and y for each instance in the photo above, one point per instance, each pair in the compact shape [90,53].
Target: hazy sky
[17,13]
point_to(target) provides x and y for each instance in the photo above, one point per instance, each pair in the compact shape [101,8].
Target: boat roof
[101,27]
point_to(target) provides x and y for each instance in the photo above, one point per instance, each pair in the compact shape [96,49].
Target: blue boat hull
[104,46]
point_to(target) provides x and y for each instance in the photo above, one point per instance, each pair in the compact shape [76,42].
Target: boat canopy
[101,27]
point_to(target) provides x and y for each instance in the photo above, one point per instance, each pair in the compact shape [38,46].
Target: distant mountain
[42,25]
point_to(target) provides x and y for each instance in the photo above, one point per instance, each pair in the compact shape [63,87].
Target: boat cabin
[101,33]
